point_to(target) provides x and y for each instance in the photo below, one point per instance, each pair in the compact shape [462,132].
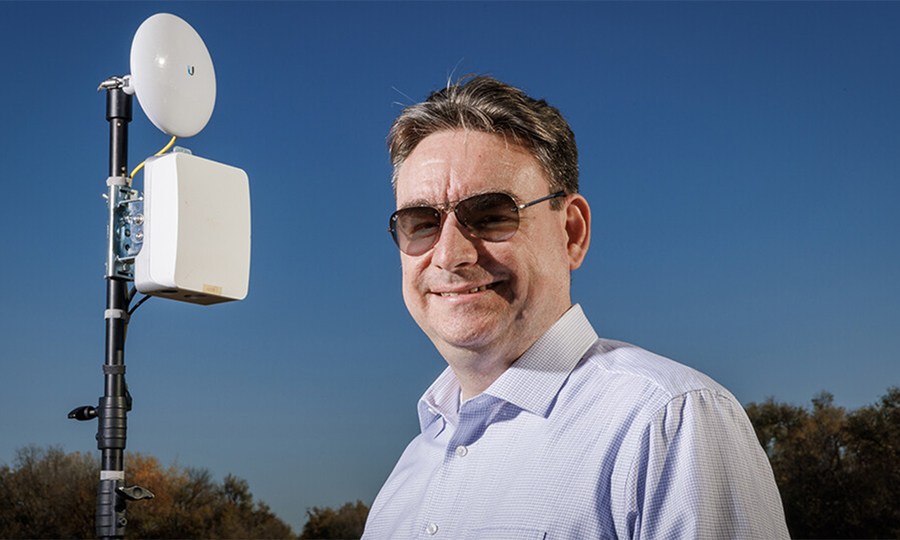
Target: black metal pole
[111,413]
[114,404]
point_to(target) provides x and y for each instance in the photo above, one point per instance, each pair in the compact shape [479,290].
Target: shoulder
[631,386]
[654,374]
[621,388]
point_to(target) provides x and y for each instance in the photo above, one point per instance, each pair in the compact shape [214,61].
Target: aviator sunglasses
[493,217]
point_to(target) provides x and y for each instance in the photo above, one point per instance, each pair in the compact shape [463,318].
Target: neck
[478,366]
[477,370]
[475,381]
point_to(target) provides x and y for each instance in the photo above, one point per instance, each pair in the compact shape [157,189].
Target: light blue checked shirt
[581,438]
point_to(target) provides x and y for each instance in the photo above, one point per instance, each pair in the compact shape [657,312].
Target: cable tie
[116,314]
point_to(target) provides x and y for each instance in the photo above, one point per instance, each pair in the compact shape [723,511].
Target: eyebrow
[416,203]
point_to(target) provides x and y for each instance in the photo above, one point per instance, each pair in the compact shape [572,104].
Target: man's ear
[578,228]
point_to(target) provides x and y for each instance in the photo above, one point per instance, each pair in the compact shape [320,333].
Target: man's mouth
[470,291]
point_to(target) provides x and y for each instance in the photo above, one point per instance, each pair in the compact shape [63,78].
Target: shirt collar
[531,383]
[441,399]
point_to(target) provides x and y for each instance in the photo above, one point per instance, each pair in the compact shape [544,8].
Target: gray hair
[485,104]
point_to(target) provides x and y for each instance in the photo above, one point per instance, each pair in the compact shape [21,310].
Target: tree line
[838,472]
[49,493]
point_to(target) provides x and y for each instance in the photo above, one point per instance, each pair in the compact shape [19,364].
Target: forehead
[452,165]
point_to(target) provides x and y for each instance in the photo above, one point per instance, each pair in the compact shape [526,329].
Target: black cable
[144,299]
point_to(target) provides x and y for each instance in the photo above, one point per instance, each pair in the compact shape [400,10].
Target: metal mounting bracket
[124,232]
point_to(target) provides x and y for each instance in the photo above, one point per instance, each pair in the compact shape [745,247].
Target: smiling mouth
[470,291]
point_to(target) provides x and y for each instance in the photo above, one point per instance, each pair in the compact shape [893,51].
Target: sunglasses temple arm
[542,199]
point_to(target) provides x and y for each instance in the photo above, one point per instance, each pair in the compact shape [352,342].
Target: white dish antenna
[172,75]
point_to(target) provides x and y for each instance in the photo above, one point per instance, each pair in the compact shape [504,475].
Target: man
[538,429]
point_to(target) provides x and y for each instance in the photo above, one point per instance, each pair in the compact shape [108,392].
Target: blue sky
[742,161]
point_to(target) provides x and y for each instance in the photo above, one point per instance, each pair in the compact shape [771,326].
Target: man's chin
[457,339]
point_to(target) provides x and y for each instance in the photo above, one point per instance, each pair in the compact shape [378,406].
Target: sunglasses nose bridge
[446,208]
[455,241]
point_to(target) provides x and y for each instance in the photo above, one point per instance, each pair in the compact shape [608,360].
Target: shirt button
[431,529]
[461,451]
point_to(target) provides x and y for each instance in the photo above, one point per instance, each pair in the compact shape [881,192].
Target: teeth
[475,290]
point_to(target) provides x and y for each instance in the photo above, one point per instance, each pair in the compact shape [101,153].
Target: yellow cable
[161,152]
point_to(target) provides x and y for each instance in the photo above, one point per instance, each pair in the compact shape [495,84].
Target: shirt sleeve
[701,473]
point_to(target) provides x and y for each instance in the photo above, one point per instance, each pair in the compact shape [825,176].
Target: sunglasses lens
[415,229]
[493,216]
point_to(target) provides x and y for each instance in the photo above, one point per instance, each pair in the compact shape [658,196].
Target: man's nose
[455,247]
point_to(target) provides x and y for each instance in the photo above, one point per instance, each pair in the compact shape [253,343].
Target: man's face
[493,299]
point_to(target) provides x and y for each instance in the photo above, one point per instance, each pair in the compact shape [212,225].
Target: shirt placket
[445,502]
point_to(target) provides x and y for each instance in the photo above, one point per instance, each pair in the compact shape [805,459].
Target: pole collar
[116,314]
[122,181]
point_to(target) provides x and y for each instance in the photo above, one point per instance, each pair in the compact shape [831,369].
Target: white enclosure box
[196,245]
